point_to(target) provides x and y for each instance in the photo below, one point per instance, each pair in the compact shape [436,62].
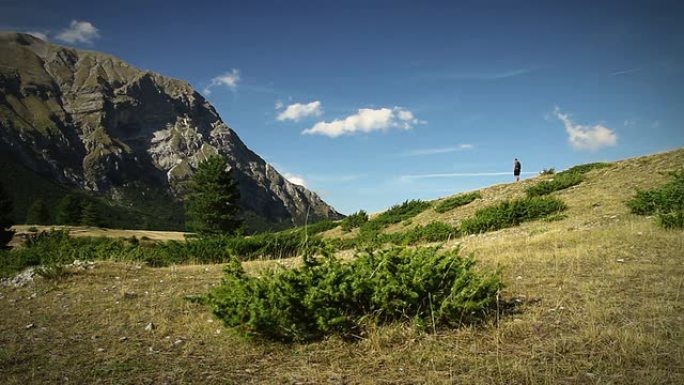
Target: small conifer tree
[89,216]
[38,213]
[211,200]
[5,218]
[69,210]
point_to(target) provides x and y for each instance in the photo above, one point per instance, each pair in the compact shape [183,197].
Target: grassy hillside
[594,296]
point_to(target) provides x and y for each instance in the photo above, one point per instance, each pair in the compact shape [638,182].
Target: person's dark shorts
[516,172]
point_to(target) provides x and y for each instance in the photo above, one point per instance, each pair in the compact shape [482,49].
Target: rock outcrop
[90,120]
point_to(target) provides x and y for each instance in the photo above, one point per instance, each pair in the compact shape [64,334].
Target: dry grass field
[599,299]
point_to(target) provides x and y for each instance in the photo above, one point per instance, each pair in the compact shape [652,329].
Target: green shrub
[326,296]
[457,201]
[666,202]
[548,171]
[432,232]
[560,181]
[319,227]
[585,168]
[400,212]
[568,178]
[354,220]
[511,213]
[57,247]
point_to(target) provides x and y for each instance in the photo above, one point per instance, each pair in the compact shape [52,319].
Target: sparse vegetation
[511,213]
[547,171]
[666,202]
[326,296]
[457,201]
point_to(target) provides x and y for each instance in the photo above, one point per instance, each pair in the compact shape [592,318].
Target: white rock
[150,326]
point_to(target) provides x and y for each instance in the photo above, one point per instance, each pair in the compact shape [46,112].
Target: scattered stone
[30,326]
[150,326]
[210,320]
[519,277]
[100,350]
[122,339]
[620,260]
[117,278]
[32,296]
[178,342]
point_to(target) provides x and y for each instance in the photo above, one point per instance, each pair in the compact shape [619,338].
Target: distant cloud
[296,179]
[625,72]
[299,111]
[441,150]
[229,79]
[79,32]
[39,35]
[459,174]
[479,75]
[367,120]
[586,137]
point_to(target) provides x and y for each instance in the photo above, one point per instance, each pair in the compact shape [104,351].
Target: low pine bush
[585,168]
[560,181]
[568,178]
[666,202]
[326,296]
[400,212]
[354,220]
[457,201]
[432,232]
[511,213]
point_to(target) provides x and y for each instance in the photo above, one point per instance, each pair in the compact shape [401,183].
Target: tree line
[211,205]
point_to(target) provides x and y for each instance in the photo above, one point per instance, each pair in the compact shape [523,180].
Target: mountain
[87,121]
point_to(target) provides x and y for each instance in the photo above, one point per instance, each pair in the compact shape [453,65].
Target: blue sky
[370,103]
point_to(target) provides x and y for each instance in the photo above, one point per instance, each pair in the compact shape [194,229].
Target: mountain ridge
[92,121]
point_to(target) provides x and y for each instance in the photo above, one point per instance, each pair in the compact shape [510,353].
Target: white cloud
[296,179]
[441,150]
[39,35]
[459,174]
[229,79]
[299,111]
[367,120]
[586,137]
[79,32]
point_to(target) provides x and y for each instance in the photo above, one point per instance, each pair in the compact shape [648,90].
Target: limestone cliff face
[91,120]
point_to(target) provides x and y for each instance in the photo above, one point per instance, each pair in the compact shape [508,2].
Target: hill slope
[596,298]
[89,121]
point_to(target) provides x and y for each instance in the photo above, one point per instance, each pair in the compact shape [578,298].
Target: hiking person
[516,169]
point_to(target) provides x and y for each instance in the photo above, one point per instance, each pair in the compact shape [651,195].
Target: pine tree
[38,213]
[212,198]
[5,218]
[69,210]
[89,216]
